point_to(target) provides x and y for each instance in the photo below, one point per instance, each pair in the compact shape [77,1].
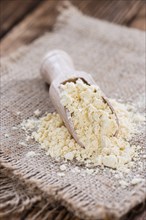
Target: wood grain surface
[13,11]
[42,15]
[139,21]
[23,21]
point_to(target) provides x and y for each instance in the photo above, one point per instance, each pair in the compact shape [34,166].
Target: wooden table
[23,21]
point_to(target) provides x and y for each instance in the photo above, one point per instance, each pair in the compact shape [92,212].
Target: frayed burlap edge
[51,195]
[17,200]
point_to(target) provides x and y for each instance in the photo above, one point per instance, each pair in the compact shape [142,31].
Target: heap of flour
[95,125]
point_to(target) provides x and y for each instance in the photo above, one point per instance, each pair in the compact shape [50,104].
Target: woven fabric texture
[19,201]
[114,56]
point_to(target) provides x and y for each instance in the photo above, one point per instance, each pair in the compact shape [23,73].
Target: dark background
[22,21]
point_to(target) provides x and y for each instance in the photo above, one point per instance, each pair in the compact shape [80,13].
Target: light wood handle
[55,64]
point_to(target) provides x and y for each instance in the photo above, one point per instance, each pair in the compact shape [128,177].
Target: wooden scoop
[57,68]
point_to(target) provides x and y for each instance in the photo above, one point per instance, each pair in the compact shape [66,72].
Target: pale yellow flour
[95,125]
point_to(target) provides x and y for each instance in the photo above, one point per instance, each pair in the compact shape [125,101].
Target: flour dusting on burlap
[115,57]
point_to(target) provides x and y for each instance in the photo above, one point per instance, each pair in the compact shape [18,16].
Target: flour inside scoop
[95,125]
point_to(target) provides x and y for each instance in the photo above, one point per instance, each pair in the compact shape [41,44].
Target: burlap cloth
[115,57]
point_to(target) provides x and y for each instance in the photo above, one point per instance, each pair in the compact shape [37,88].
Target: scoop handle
[55,64]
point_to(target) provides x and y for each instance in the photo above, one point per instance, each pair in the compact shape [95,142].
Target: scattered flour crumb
[69,156]
[28,138]
[14,128]
[37,113]
[28,124]
[136,181]
[138,147]
[110,161]
[31,154]
[18,113]
[23,144]
[89,171]
[138,118]
[63,167]
[123,183]
[6,135]
[82,174]
[76,170]
[61,174]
